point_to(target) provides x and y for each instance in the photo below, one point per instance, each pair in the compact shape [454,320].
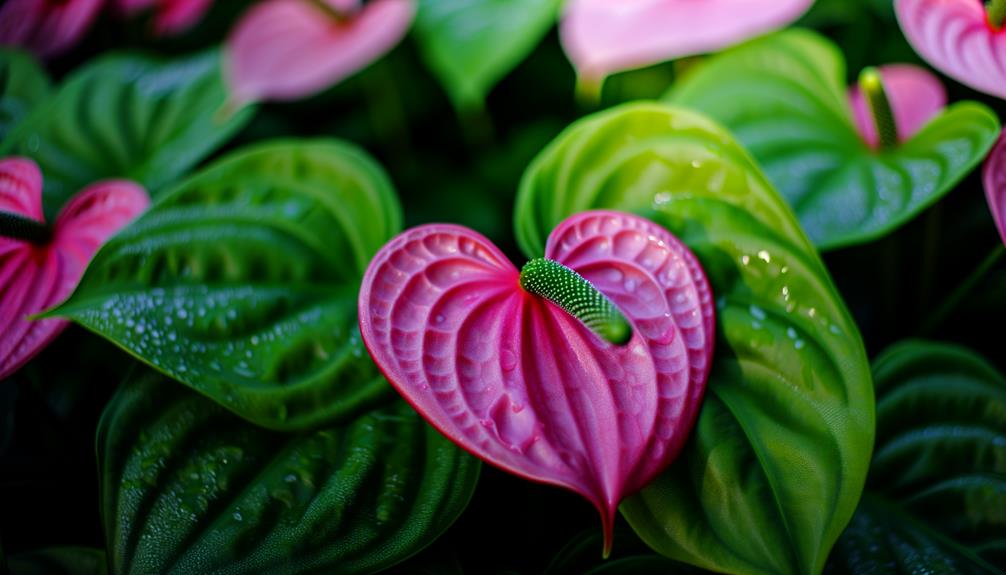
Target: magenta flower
[995,184]
[914,94]
[290,49]
[491,357]
[602,37]
[39,266]
[961,38]
[46,27]
[171,17]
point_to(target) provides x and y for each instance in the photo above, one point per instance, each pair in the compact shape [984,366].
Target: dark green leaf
[126,116]
[472,44]
[23,85]
[59,561]
[777,462]
[784,97]
[242,282]
[187,487]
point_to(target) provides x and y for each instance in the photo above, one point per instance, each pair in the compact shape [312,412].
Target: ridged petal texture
[915,94]
[956,38]
[995,184]
[602,37]
[44,27]
[520,383]
[290,49]
[33,277]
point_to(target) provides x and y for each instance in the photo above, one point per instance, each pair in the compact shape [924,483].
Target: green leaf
[472,44]
[784,98]
[778,458]
[938,479]
[23,84]
[242,282]
[187,487]
[59,561]
[127,116]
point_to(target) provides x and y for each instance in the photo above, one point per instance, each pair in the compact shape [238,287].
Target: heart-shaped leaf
[58,561]
[778,458]
[938,480]
[242,282]
[472,44]
[956,38]
[23,84]
[515,379]
[795,119]
[187,487]
[46,28]
[290,49]
[36,275]
[995,184]
[126,116]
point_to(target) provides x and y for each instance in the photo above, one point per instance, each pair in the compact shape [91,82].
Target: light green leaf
[784,98]
[472,44]
[188,488]
[777,461]
[242,282]
[23,85]
[127,116]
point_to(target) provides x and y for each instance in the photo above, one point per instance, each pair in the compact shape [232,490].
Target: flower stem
[573,293]
[872,86]
[963,290]
[18,227]
[996,9]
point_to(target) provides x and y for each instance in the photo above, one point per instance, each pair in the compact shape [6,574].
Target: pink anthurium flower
[495,358]
[602,37]
[46,27]
[995,184]
[40,266]
[964,39]
[290,49]
[171,17]
[915,96]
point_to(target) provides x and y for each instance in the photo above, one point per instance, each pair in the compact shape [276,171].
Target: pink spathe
[915,94]
[290,49]
[956,38]
[520,383]
[171,17]
[995,184]
[602,37]
[33,277]
[46,27]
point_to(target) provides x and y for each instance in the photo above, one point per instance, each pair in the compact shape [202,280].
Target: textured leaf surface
[59,561]
[126,117]
[187,487]
[23,84]
[242,281]
[937,487]
[777,461]
[796,120]
[472,44]
[521,383]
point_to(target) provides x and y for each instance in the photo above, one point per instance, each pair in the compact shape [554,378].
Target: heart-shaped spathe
[955,36]
[915,94]
[36,277]
[517,381]
[290,49]
[995,184]
[602,37]
[45,27]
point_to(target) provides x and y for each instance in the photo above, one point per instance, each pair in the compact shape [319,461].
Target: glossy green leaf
[23,85]
[187,487]
[938,479]
[472,44]
[127,116]
[778,458]
[242,282]
[784,98]
[59,561]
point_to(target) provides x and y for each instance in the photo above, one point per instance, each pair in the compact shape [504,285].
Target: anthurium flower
[602,37]
[170,16]
[964,39]
[995,184]
[913,94]
[46,27]
[41,265]
[290,49]
[536,370]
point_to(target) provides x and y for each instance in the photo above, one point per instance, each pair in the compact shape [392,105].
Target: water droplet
[764,256]
[237,516]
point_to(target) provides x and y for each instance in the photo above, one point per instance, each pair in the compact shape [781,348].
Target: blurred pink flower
[915,94]
[956,37]
[290,49]
[602,37]
[995,184]
[171,17]
[46,27]
[34,277]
